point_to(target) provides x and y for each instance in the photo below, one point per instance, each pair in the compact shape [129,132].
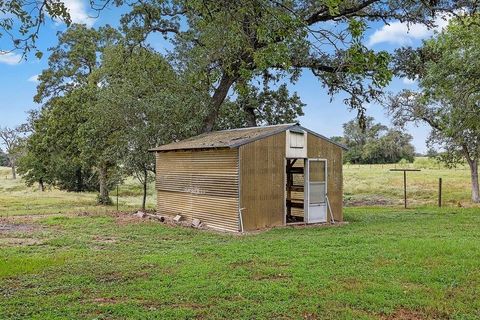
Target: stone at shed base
[177,218]
[156,217]
[196,223]
[140,214]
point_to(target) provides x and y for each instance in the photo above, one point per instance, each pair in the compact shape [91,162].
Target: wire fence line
[438,166]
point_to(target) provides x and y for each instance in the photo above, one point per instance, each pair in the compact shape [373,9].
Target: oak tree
[223,45]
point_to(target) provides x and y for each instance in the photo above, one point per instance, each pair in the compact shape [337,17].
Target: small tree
[147,102]
[12,139]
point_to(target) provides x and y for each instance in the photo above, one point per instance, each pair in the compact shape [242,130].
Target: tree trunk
[41,185]
[14,172]
[251,117]
[474,176]
[79,182]
[145,184]
[216,101]
[103,182]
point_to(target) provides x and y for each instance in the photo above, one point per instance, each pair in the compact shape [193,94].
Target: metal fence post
[117,197]
[439,192]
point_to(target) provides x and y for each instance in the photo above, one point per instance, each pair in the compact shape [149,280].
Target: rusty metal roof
[233,138]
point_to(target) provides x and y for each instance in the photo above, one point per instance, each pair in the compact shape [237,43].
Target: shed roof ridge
[291,124]
[234,138]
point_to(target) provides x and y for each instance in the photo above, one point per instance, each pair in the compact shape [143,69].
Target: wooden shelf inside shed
[294,170]
[295,204]
[294,190]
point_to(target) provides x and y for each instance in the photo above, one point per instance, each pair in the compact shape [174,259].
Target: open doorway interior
[295,188]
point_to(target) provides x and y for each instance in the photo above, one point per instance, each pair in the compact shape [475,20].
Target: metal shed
[251,178]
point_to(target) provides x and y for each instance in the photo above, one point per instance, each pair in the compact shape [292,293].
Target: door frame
[306,187]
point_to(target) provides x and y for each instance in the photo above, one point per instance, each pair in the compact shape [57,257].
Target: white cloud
[402,33]
[10,58]
[78,12]
[34,78]
[408,81]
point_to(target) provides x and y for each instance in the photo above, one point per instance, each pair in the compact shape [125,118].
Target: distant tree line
[13,140]
[375,144]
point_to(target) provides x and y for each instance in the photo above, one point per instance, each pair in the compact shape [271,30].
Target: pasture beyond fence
[419,163]
[370,185]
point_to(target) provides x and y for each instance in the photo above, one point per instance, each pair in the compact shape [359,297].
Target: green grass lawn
[384,264]
[63,257]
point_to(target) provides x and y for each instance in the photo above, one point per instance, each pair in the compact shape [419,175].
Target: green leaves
[221,45]
[265,106]
[356,27]
[21,20]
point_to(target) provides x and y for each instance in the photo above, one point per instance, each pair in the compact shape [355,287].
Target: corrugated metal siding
[262,179]
[200,184]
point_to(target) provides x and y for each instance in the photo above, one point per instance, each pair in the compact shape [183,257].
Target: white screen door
[316,193]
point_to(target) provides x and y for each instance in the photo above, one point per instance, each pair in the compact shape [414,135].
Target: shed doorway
[295,187]
[306,190]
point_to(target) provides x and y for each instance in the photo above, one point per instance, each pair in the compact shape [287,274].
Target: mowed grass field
[377,185]
[62,257]
[18,199]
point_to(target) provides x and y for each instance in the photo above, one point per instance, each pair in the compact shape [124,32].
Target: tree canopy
[21,20]
[63,137]
[224,46]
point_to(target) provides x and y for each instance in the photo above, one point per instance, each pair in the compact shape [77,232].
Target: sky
[18,78]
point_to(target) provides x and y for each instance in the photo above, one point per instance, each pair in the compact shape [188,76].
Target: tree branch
[323,14]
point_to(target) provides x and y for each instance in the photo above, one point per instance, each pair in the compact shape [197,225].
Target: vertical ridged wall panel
[262,182]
